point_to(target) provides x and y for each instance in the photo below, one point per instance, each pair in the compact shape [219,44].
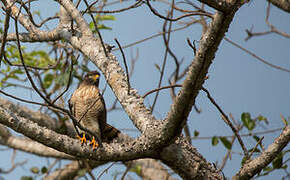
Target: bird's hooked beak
[95,77]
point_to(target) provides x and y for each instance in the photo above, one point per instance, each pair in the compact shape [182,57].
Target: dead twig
[125,63]
[227,121]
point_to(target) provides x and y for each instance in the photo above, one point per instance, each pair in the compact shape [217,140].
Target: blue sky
[238,82]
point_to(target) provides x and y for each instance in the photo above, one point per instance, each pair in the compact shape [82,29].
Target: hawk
[88,107]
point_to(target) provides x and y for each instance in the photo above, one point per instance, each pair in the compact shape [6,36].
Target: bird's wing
[70,105]
[72,111]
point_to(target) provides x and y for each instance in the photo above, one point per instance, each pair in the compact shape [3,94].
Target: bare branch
[254,166]
[113,152]
[282,4]
[6,27]
[196,13]
[135,5]
[221,5]
[125,63]
[34,35]
[228,122]
[32,147]
[257,57]
[177,116]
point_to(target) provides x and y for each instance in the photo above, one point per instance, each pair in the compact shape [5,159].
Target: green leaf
[26,178]
[44,170]
[285,166]
[278,161]
[226,142]
[262,118]
[105,18]
[137,169]
[214,141]
[268,168]
[157,67]
[82,172]
[102,26]
[62,79]
[247,121]
[284,120]
[256,138]
[34,170]
[195,133]
[36,12]
[47,81]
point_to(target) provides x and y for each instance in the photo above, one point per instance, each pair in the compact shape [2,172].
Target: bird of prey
[88,107]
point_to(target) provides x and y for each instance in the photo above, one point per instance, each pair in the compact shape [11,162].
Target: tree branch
[254,166]
[35,34]
[113,152]
[187,162]
[23,144]
[220,5]
[32,147]
[281,4]
[195,77]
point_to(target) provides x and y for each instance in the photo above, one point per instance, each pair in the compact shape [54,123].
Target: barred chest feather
[87,102]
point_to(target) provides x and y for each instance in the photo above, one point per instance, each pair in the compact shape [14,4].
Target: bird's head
[92,78]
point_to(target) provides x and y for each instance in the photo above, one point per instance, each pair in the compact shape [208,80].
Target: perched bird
[88,107]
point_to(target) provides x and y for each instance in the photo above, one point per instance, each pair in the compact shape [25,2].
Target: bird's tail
[110,132]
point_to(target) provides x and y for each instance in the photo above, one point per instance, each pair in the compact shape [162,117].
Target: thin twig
[97,29]
[192,45]
[228,154]
[242,135]
[257,57]
[68,84]
[106,170]
[158,89]
[227,121]
[170,14]
[126,171]
[4,37]
[153,36]
[135,5]
[253,150]
[273,28]
[198,13]
[125,63]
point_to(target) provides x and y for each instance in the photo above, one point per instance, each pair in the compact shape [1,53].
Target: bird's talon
[94,143]
[83,139]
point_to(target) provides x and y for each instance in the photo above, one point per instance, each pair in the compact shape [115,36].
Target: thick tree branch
[194,166]
[220,5]
[67,172]
[149,169]
[41,36]
[281,4]
[254,166]
[133,103]
[148,165]
[35,34]
[113,152]
[32,147]
[70,171]
[195,77]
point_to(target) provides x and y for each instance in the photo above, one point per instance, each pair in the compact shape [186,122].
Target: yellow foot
[94,143]
[83,139]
